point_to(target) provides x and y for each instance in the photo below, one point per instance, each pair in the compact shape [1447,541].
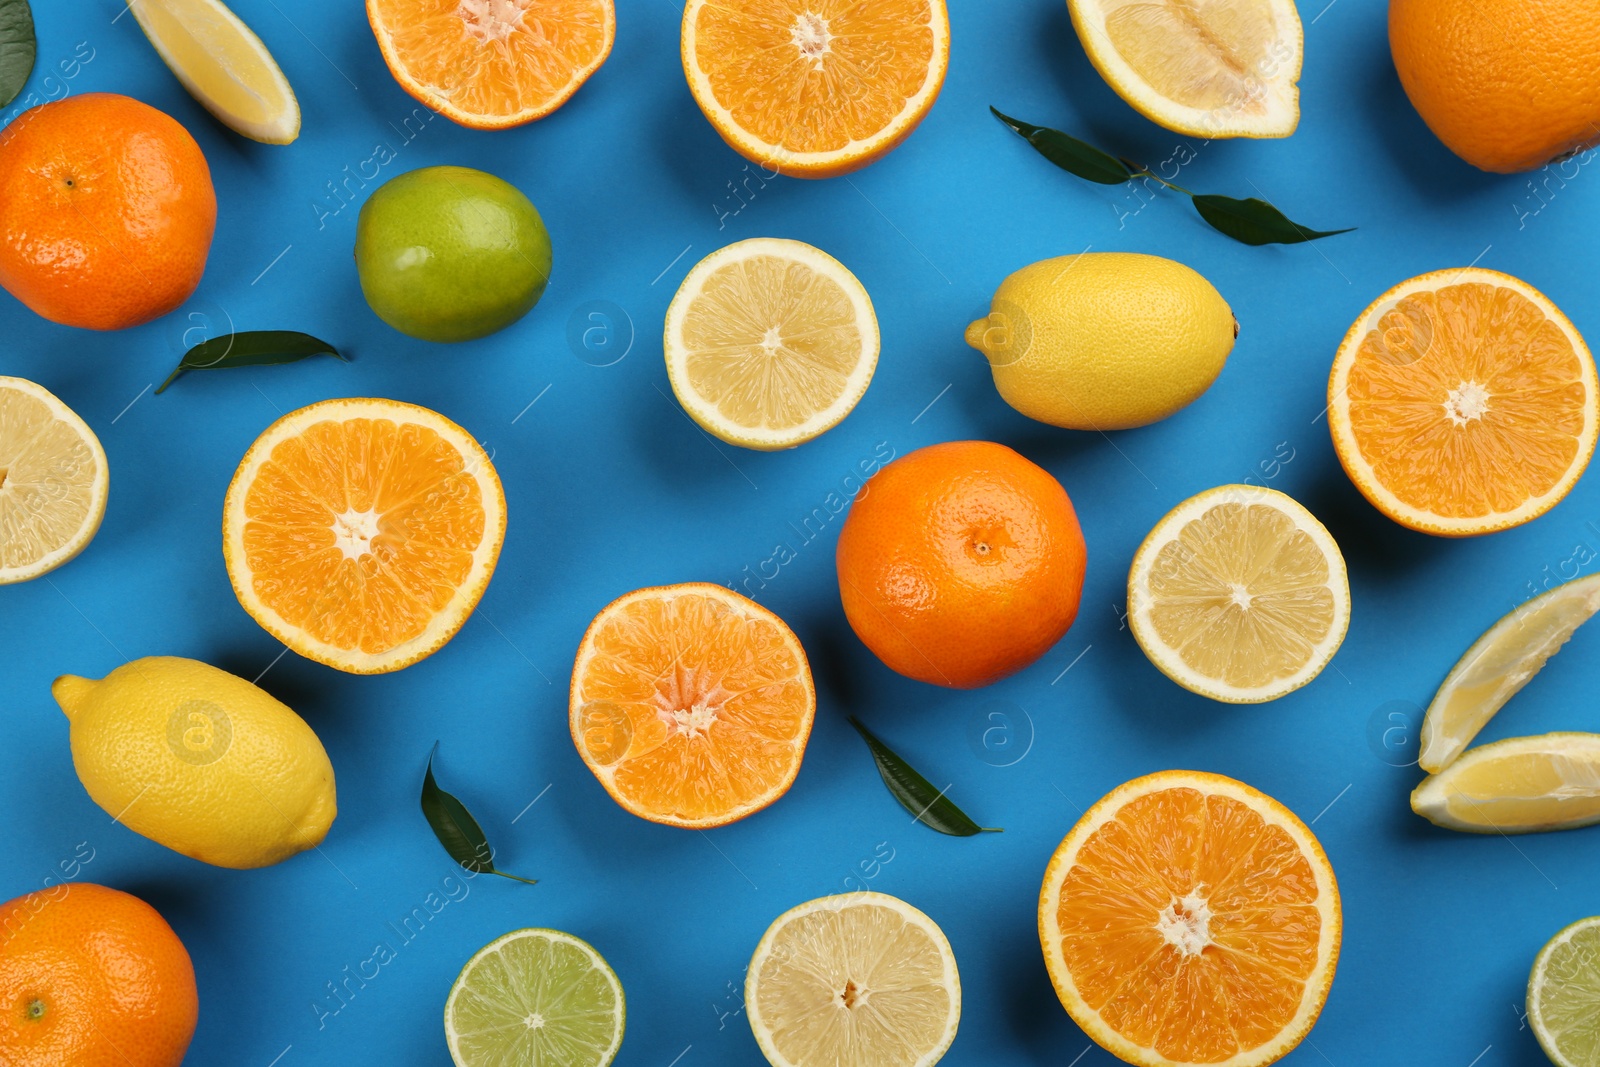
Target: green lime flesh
[535,998]
[1564,996]
[451,254]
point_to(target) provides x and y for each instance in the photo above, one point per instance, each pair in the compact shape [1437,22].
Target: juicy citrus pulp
[53,482]
[856,980]
[1239,594]
[1189,918]
[535,997]
[361,533]
[769,343]
[223,65]
[493,63]
[1499,664]
[1564,996]
[1516,786]
[1463,402]
[1208,70]
[815,88]
[691,704]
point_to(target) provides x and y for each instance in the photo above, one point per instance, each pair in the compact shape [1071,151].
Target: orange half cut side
[362,533]
[691,704]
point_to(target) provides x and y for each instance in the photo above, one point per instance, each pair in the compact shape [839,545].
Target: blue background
[611,488]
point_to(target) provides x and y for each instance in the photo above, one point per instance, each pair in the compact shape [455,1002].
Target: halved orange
[1189,918]
[691,704]
[1463,402]
[815,88]
[489,64]
[361,533]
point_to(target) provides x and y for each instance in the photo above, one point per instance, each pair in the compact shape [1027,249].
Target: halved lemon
[1517,786]
[1202,69]
[855,980]
[691,704]
[488,64]
[1188,918]
[53,482]
[1463,402]
[1499,664]
[1239,594]
[1564,996]
[362,533]
[223,65]
[770,343]
[815,89]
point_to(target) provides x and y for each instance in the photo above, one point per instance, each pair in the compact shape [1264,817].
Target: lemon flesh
[200,761]
[1239,594]
[1517,786]
[1564,996]
[1208,69]
[53,482]
[856,980]
[223,65]
[770,343]
[1104,340]
[535,998]
[1499,664]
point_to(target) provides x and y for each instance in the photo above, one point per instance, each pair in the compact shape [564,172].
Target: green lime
[451,253]
[1564,996]
[535,997]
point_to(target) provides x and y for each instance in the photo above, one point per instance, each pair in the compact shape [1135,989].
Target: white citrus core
[1186,923]
[810,35]
[492,20]
[1466,402]
[353,532]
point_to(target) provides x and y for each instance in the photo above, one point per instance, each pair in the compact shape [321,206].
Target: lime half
[534,998]
[1564,995]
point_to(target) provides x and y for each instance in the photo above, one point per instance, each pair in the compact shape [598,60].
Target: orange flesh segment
[694,709]
[815,75]
[497,57]
[1210,869]
[1467,400]
[403,484]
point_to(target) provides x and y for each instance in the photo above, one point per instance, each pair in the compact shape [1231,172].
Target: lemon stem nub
[70,692]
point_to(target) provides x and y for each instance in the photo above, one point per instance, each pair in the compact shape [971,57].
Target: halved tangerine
[362,533]
[1189,918]
[691,704]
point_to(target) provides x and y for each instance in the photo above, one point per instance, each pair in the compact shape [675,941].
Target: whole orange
[106,211]
[1507,87]
[92,977]
[961,563]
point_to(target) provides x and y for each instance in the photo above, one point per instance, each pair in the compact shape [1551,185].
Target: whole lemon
[1104,340]
[451,253]
[200,761]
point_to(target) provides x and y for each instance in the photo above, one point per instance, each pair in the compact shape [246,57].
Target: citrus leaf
[927,804]
[1254,222]
[457,830]
[17,48]
[259,348]
[1069,153]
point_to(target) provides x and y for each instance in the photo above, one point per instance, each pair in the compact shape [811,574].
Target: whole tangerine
[106,211]
[961,563]
[1507,87]
[92,977]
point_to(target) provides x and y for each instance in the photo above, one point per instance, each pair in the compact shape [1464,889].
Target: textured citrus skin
[1507,87]
[106,211]
[961,563]
[92,977]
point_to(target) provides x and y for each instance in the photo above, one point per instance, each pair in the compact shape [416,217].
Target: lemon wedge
[223,65]
[1517,786]
[1207,70]
[770,343]
[1499,664]
[53,482]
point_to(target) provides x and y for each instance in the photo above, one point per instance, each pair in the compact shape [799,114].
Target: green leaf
[1069,153]
[17,48]
[1254,222]
[259,348]
[457,830]
[927,804]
